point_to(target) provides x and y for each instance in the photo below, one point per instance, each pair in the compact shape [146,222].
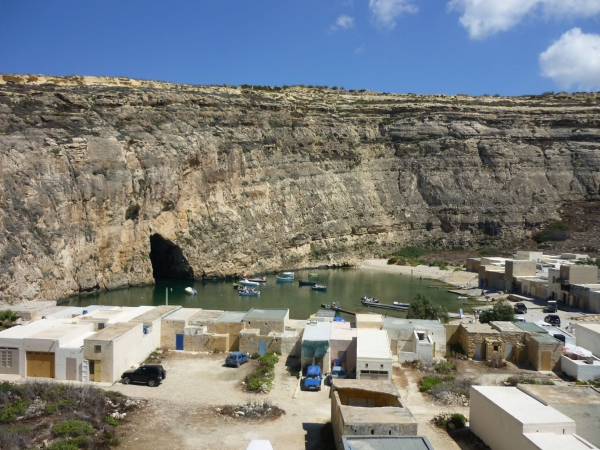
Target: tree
[502,311]
[421,307]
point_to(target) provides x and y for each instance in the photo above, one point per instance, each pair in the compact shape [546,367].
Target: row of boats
[244,288]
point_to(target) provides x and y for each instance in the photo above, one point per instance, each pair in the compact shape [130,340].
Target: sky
[476,47]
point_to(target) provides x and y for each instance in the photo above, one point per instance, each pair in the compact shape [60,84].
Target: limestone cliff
[103,176]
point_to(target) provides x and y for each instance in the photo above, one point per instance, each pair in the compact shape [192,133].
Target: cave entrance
[168,260]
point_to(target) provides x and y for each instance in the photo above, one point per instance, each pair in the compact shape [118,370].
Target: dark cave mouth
[168,260]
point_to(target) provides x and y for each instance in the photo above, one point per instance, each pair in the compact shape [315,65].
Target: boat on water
[366,299]
[395,306]
[258,280]
[248,292]
[190,291]
[462,297]
[313,275]
[283,279]
[247,282]
[335,306]
[319,287]
[306,283]
[288,274]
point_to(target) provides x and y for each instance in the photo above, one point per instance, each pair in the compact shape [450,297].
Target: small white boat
[190,291]
[288,274]
[462,297]
[247,282]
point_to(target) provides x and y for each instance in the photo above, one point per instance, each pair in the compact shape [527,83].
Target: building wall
[249,341]
[588,339]
[384,365]
[473,264]
[169,328]
[60,362]
[233,330]
[265,326]
[535,351]
[579,369]
[583,274]
[349,349]
[514,269]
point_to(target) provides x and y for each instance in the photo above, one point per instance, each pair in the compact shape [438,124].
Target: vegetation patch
[450,421]
[556,231]
[261,380]
[522,379]
[421,307]
[67,416]
[502,311]
[256,409]
[444,367]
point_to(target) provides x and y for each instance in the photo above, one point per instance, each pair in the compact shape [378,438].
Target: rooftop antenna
[167,296]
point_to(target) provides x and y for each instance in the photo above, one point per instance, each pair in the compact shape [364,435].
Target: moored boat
[319,287]
[190,291]
[283,279]
[313,275]
[247,282]
[462,297]
[366,299]
[288,274]
[306,283]
[245,291]
[258,280]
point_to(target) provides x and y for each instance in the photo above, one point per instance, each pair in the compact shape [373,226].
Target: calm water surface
[345,286]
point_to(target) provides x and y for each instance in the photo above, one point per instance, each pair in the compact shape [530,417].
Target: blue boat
[283,279]
[306,283]
[319,287]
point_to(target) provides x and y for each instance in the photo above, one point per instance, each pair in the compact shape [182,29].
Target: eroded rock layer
[232,180]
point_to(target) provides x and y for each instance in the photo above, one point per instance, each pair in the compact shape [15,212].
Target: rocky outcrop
[227,180]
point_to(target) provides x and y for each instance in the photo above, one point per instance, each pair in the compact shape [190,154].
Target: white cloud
[484,18]
[385,12]
[573,60]
[343,22]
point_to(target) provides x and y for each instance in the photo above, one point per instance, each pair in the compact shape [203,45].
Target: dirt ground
[180,413]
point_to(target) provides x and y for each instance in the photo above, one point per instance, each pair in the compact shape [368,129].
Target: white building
[373,355]
[505,418]
[588,337]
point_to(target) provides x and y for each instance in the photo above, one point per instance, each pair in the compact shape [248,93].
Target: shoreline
[454,278]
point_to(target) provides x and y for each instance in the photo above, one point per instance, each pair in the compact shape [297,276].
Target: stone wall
[169,329]
[249,341]
[535,351]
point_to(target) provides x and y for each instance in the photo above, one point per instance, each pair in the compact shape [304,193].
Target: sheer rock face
[241,181]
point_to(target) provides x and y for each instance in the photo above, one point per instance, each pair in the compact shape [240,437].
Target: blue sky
[506,47]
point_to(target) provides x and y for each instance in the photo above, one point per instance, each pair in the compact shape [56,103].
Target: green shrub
[444,367]
[458,420]
[111,421]
[73,428]
[411,252]
[11,411]
[255,355]
[428,382]
[72,444]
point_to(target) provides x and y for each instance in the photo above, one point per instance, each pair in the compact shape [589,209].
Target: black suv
[520,308]
[552,319]
[150,374]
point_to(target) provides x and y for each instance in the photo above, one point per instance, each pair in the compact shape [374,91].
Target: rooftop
[479,328]
[343,334]
[115,331]
[22,331]
[373,344]
[506,327]
[320,331]
[355,415]
[182,314]
[590,326]
[376,386]
[63,330]
[206,315]
[551,441]
[233,316]
[523,408]
[386,443]
[395,322]
[530,327]
[156,313]
[267,313]
[545,339]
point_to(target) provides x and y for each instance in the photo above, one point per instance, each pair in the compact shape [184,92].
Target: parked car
[520,308]
[236,359]
[337,372]
[552,306]
[552,319]
[312,382]
[150,374]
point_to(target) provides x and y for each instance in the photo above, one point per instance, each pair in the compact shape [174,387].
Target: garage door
[40,364]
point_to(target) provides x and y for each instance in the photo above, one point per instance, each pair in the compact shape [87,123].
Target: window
[97,348]
[101,325]
[495,348]
[6,357]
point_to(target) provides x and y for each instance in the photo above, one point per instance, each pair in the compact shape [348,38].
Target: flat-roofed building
[414,339]
[373,355]
[173,326]
[588,336]
[372,321]
[386,443]
[343,345]
[505,418]
[316,342]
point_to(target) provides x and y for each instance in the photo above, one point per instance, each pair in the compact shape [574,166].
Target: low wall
[579,369]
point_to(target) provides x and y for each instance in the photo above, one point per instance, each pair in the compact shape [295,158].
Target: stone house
[266,329]
[413,339]
[173,328]
[561,279]
[480,341]
[586,297]
[544,351]
[372,408]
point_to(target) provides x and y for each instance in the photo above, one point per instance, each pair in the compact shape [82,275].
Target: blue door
[262,347]
[179,342]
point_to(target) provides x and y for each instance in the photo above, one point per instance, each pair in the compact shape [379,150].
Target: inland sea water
[345,286]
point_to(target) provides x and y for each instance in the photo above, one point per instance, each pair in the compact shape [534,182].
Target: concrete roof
[114,332]
[267,313]
[156,313]
[580,403]
[182,314]
[318,332]
[545,339]
[78,341]
[551,441]
[354,415]
[63,330]
[506,327]
[233,316]
[477,327]
[325,313]
[369,318]
[522,407]
[590,326]
[396,322]
[386,443]
[206,315]
[377,386]
[117,314]
[372,344]
[530,327]
[343,334]
[22,331]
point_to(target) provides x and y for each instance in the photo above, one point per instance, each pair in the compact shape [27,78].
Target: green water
[345,286]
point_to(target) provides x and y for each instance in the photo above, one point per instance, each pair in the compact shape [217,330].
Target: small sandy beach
[449,276]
